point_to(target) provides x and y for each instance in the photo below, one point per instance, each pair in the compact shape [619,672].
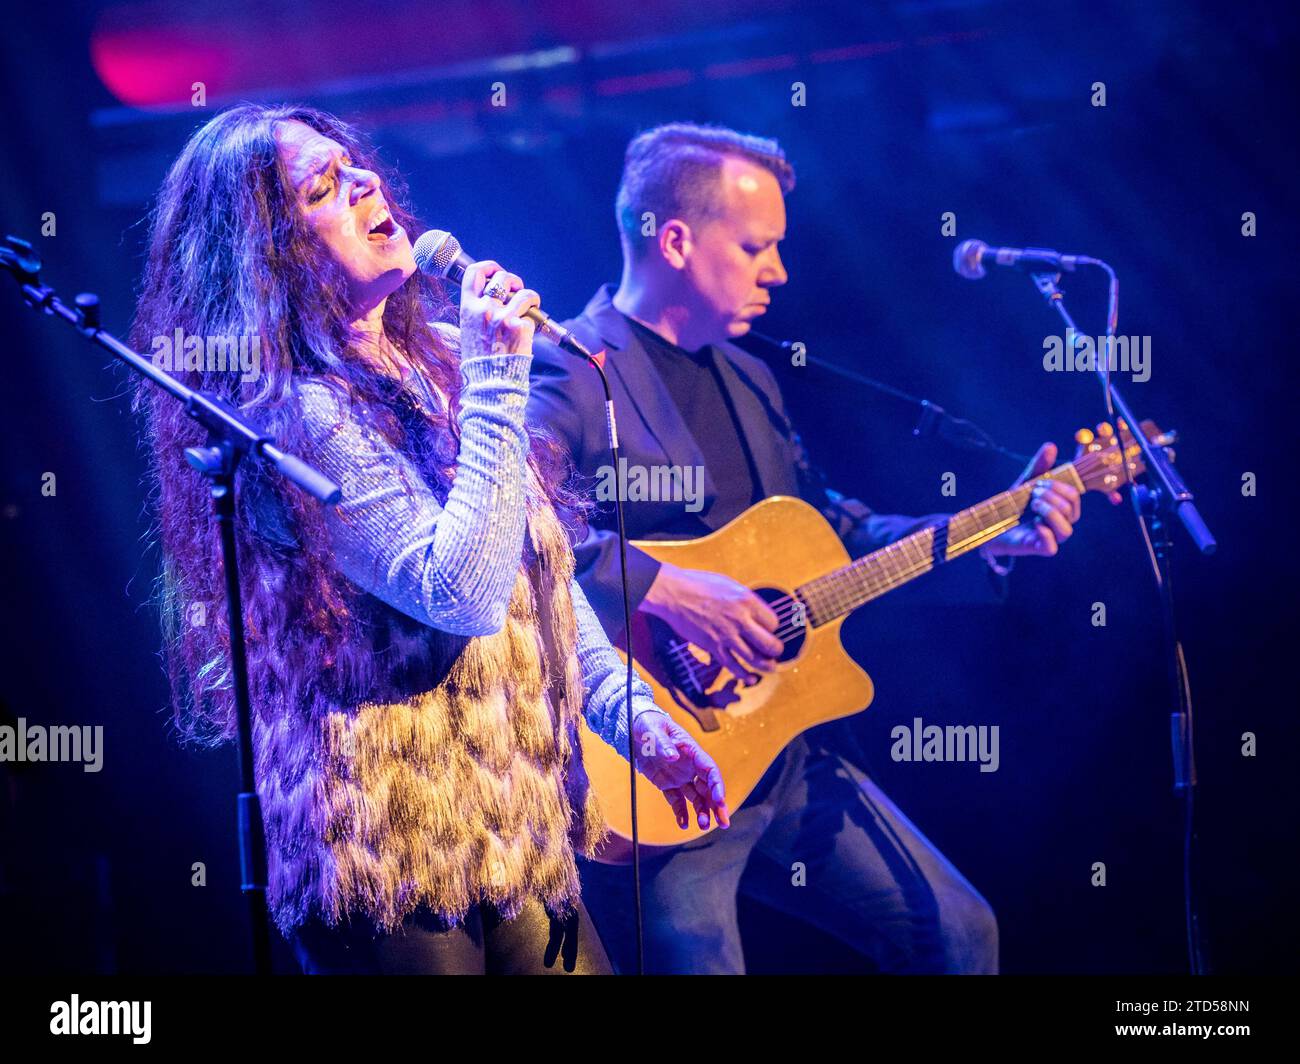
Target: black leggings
[533,943]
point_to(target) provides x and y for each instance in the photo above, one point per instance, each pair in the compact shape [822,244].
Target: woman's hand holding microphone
[493,303]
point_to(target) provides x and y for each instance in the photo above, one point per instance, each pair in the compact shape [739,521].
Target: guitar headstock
[1098,460]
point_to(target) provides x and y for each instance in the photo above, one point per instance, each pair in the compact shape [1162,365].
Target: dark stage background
[913,109]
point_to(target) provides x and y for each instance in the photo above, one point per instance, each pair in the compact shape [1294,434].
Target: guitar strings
[1084,466]
[787,607]
[680,650]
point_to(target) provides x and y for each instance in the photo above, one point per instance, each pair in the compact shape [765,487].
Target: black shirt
[697,391]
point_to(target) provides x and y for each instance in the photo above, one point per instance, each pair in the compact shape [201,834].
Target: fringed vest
[460,781]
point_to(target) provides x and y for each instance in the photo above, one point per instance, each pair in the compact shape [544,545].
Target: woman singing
[419,654]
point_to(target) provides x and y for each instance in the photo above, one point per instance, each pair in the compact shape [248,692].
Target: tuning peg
[1083,437]
[1104,430]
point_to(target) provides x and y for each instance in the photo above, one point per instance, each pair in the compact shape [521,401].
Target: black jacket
[567,399]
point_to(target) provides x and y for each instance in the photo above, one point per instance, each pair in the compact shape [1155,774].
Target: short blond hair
[672,171]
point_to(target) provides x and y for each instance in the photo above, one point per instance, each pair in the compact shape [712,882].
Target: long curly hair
[229,256]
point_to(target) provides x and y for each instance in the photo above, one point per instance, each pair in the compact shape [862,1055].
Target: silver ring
[497,289]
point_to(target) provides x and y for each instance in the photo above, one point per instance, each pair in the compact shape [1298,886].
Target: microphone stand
[934,420]
[230,439]
[1154,504]
[570,343]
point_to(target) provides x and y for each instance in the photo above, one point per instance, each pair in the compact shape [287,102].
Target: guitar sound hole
[695,679]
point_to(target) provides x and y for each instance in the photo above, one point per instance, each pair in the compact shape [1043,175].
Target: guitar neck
[844,590]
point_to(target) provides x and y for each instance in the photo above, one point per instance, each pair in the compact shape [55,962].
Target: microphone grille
[435,251]
[966,258]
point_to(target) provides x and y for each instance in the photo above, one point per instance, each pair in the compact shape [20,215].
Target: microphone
[439,254]
[971,256]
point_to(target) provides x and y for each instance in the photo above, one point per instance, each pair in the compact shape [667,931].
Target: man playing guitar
[701,213]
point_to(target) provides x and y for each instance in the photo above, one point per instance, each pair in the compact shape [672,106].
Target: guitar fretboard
[870,576]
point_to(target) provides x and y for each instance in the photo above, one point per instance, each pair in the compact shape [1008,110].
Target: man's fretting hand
[1054,503]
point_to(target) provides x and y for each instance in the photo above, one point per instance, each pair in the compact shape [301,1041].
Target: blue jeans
[819,841]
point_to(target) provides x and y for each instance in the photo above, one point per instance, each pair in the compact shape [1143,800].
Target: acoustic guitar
[787,553]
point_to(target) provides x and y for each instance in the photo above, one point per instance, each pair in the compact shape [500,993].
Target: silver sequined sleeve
[450,567]
[454,567]
[604,678]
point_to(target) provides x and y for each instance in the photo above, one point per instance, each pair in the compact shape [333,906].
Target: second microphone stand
[1169,496]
